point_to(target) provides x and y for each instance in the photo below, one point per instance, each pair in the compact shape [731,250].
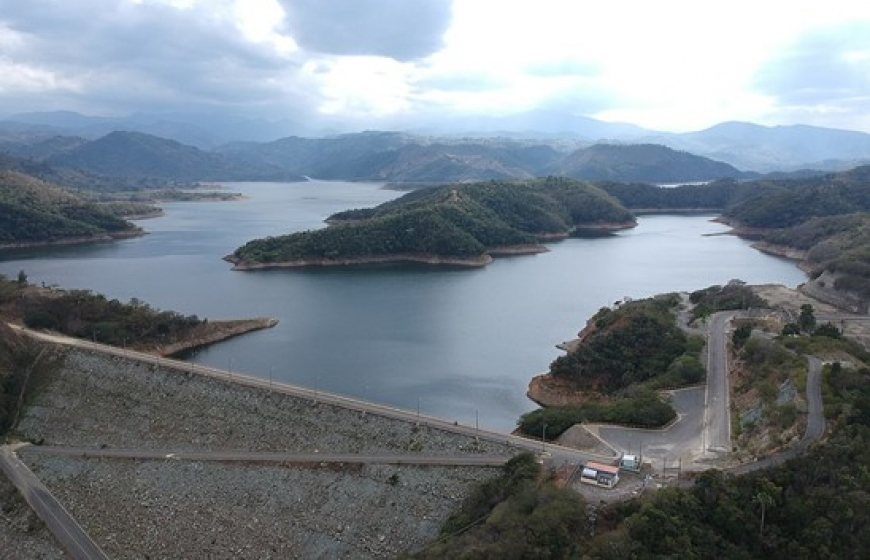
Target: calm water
[456,341]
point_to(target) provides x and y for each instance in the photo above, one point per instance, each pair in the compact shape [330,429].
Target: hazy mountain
[540,123]
[133,154]
[643,162]
[743,145]
[388,156]
[762,148]
[41,149]
[203,130]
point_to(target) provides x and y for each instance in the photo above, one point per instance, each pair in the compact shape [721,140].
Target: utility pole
[270,378]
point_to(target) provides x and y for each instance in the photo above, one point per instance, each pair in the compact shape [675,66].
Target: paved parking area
[682,439]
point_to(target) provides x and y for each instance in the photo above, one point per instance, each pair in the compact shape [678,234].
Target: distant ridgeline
[454,224]
[824,221]
[34,212]
[759,203]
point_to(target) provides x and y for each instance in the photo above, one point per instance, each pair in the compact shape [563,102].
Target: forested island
[463,225]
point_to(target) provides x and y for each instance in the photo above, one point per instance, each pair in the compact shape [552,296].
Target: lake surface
[458,342]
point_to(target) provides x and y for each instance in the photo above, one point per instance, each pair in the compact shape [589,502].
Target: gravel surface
[180,509]
[174,509]
[23,536]
[96,400]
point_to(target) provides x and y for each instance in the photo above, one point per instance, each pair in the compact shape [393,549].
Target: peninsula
[458,225]
[35,212]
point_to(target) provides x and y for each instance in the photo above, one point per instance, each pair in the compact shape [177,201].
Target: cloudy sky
[667,65]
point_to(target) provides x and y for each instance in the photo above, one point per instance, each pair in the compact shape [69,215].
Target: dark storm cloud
[823,68]
[400,29]
[138,57]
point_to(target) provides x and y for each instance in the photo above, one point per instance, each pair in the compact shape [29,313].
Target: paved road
[717,419]
[69,533]
[560,455]
[815,423]
[269,457]
[682,439]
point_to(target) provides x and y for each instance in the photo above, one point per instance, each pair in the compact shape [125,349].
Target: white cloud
[671,64]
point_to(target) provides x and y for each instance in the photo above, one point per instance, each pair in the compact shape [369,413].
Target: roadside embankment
[192,509]
[94,400]
[21,530]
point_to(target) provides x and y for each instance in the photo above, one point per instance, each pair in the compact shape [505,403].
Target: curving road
[560,455]
[58,520]
[815,423]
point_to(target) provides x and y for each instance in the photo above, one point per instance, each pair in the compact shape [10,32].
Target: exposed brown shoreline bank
[435,260]
[471,262]
[212,332]
[549,391]
[126,234]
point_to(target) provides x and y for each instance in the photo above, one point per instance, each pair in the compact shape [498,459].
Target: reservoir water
[458,343]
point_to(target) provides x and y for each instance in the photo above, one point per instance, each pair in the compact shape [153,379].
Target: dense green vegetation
[642,162]
[452,221]
[22,362]
[84,314]
[734,295]
[642,408]
[815,506]
[631,344]
[515,515]
[83,181]
[625,356]
[763,203]
[34,211]
[839,244]
[793,202]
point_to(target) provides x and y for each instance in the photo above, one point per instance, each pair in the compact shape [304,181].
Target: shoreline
[548,391]
[81,240]
[157,213]
[468,262]
[435,260]
[211,333]
[687,211]
[783,251]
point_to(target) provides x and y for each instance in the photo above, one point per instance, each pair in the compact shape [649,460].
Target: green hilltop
[33,211]
[456,224]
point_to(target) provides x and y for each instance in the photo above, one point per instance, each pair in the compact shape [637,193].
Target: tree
[791,329]
[765,497]
[807,319]
[829,330]
[22,278]
[741,335]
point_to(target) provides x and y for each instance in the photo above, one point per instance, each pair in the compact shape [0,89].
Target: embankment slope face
[240,510]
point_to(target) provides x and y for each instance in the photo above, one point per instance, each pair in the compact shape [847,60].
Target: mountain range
[743,145]
[374,156]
